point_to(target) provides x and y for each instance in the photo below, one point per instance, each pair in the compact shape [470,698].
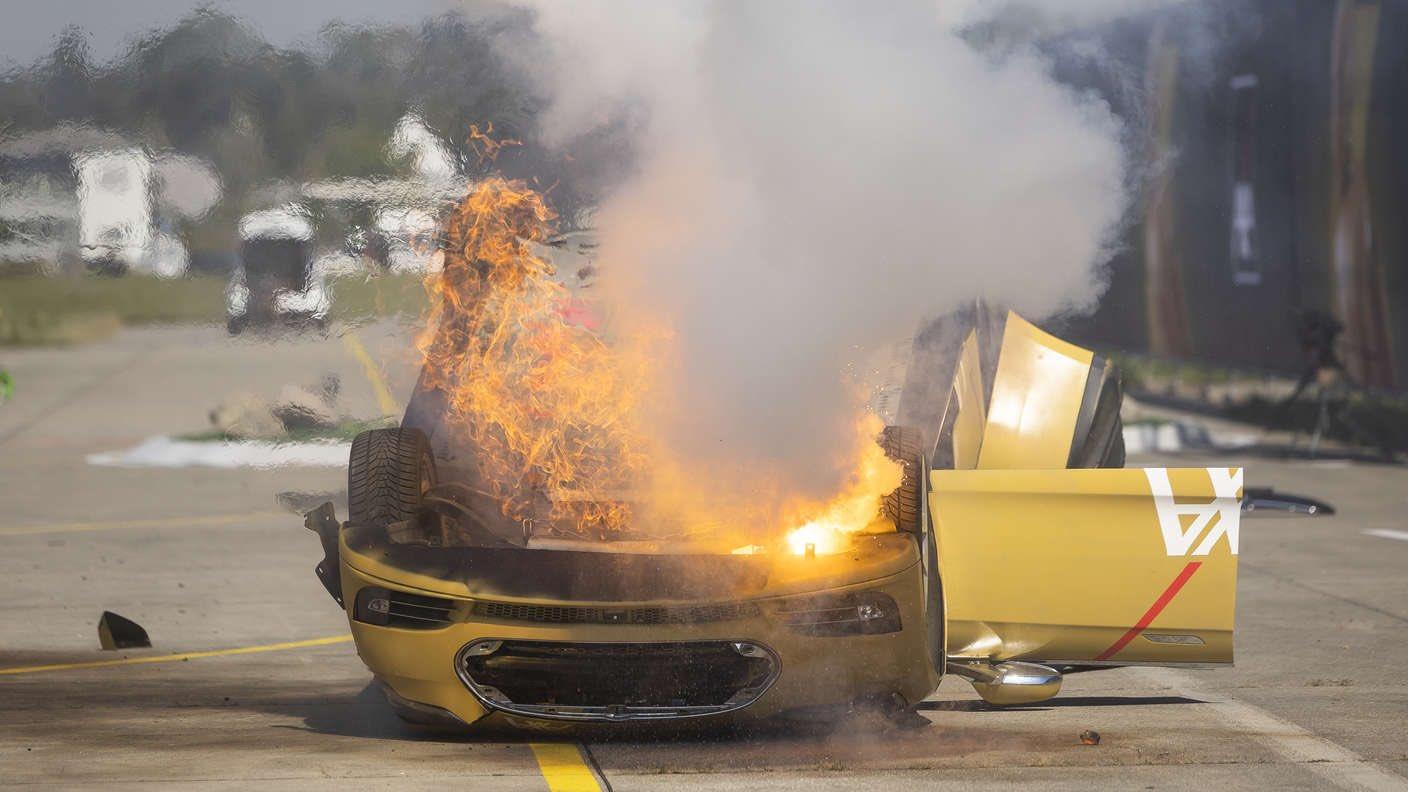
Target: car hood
[540,576]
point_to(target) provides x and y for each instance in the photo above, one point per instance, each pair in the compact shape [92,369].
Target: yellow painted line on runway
[565,768]
[384,400]
[173,658]
[201,520]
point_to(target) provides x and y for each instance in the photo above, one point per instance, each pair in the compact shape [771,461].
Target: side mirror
[1009,684]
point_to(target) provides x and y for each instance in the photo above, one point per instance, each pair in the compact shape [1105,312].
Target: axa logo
[1210,521]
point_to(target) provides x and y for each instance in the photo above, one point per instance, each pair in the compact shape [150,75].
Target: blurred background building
[1276,184]
[1273,138]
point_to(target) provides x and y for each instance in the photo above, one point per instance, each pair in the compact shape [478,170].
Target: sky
[30,27]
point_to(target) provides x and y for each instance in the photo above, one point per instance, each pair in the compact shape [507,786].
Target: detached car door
[1088,567]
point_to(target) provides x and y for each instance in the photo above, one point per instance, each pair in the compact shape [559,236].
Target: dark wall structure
[1275,182]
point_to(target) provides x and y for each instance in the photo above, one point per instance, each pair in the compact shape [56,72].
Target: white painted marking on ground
[1331,761]
[164,452]
[1387,533]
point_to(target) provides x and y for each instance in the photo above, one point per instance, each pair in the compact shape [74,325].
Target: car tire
[904,445]
[906,507]
[388,473]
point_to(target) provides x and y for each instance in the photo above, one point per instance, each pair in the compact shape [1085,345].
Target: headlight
[863,613]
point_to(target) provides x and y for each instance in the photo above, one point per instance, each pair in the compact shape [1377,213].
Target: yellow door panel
[1036,398]
[967,399]
[1101,565]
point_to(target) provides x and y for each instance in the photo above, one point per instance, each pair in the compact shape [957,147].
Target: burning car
[1015,548]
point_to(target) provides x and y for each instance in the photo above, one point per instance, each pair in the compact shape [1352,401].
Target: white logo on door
[1221,517]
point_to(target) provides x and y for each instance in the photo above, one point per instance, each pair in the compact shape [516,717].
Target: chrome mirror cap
[1011,683]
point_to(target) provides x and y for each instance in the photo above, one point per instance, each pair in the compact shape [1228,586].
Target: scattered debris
[301,409]
[303,427]
[1268,499]
[1089,737]
[117,632]
[247,416]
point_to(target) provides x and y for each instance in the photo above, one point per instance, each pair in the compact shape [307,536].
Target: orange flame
[544,404]
[547,409]
[828,528]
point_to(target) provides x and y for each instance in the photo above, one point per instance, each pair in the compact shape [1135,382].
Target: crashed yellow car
[1021,549]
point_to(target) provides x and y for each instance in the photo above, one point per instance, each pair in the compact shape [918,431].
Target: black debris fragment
[117,632]
[1267,499]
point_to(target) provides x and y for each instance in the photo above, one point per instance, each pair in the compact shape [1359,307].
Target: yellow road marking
[163,522]
[384,400]
[239,650]
[564,767]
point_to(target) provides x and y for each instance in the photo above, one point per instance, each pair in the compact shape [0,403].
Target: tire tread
[904,444]
[384,473]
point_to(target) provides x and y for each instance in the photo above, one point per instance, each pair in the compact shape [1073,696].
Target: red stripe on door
[1153,612]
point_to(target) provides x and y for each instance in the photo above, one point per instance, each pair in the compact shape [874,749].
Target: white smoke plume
[813,180]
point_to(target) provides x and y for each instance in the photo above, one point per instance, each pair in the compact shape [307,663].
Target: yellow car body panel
[967,400]
[1036,397]
[1089,566]
[1040,562]
[878,556]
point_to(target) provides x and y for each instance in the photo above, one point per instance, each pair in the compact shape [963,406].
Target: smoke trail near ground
[813,180]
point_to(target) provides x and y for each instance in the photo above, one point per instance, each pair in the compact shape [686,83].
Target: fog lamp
[869,611]
[861,613]
[877,613]
[373,606]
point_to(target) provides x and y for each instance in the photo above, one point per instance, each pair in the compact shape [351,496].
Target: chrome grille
[616,681]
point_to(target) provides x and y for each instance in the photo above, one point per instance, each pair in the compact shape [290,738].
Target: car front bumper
[811,675]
